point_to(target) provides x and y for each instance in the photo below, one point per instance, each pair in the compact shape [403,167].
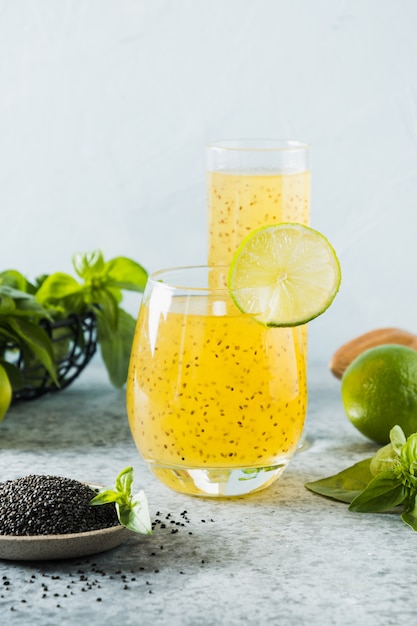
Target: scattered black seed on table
[51,505]
[86,578]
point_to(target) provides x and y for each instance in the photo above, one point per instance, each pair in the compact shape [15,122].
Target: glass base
[219,482]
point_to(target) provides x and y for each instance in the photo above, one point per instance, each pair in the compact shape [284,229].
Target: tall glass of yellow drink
[253,183]
[216,401]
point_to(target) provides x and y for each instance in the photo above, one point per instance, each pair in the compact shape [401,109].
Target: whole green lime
[379,390]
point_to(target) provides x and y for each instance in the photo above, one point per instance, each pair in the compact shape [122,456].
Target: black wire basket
[74,342]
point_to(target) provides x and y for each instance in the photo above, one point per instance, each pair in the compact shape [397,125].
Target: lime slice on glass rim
[284,274]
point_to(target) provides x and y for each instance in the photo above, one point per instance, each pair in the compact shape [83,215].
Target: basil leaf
[8,336]
[13,292]
[385,459]
[7,305]
[124,481]
[116,346]
[105,496]
[408,455]
[13,301]
[345,485]
[410,516]
[397,438]
[15,279]
[108,309]
[125,274]
[384,492]
[135,515]
[30,307]
[89,265]
[38,342]
[56,287]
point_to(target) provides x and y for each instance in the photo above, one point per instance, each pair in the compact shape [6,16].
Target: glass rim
[155,278]
[258,145]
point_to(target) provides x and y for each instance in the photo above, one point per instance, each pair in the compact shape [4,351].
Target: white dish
[52,547]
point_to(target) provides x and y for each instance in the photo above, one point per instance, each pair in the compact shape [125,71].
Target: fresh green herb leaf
[397,439]
[132,510]
[107,306]
[17,303]
[105,496]
[126,274]
[56,287]
[408,462]
[386,458]
[38,342]
[15,279]
[89,265]
[136,515]
[385,491]
[7,304]
[410,517]
[390,478]
[116,345]
[124,481]
[345,485]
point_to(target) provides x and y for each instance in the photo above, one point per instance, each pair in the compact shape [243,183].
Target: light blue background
[106,107]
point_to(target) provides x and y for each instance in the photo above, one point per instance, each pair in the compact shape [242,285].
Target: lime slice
[284,274]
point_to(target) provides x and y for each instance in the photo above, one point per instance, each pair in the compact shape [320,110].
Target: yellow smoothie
[212,388]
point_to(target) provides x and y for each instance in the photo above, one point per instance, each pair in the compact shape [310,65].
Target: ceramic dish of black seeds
[50,517]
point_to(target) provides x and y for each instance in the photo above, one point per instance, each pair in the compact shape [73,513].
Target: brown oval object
[380,336]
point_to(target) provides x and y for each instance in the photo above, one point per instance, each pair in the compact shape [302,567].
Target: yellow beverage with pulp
[211,389]
[239,203]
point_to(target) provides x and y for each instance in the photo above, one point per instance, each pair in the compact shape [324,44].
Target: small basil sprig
[384,482]
[132,510]
[100,290]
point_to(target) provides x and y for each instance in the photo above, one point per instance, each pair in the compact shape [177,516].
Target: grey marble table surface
[282,556]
